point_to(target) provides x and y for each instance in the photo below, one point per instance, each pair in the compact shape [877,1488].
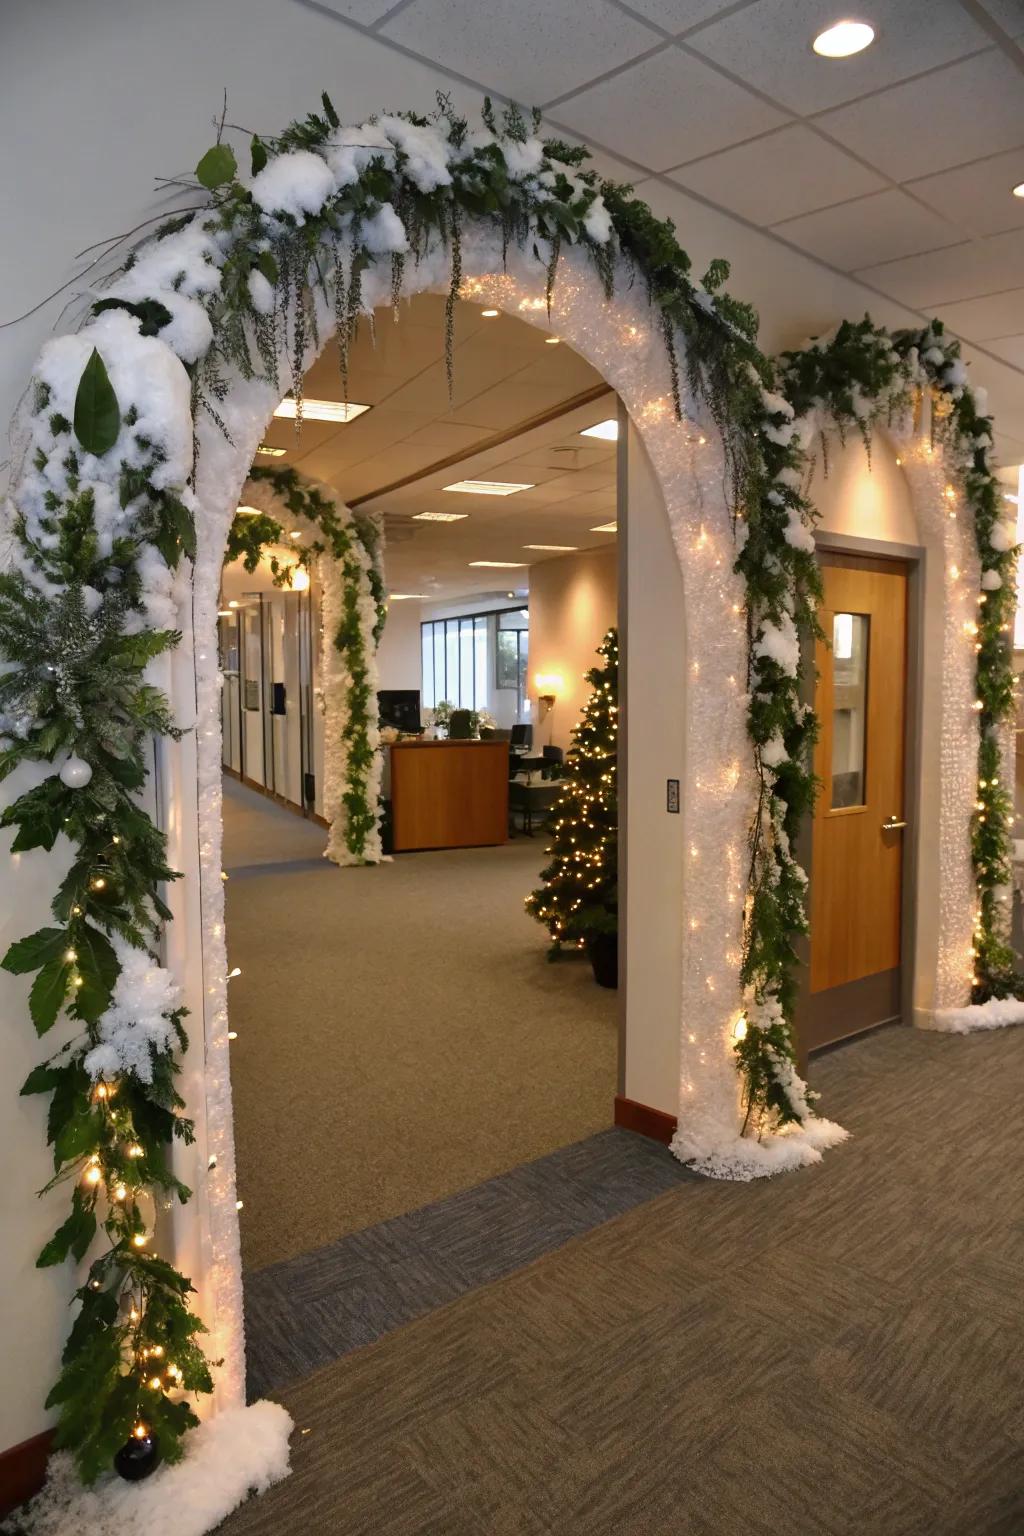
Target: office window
[454,656]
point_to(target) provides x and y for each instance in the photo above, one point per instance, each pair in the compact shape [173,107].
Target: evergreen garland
[854,378]
[339,542]
[579,897]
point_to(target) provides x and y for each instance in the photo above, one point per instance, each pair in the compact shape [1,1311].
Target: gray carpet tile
[304,1312]
[831,1353]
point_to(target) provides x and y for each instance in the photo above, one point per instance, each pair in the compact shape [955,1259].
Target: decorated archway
[140,432]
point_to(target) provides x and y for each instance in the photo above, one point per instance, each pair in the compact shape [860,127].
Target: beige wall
[573,601]
[398,655]
[863,498]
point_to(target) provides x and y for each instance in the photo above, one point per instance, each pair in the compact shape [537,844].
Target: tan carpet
[832,1353]
[401,1034]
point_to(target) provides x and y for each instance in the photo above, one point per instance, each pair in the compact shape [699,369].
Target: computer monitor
[522,736]
[400,708]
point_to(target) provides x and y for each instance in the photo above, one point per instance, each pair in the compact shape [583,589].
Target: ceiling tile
[1008,14]
[679,15]
[533,50]
[364,11]
[668,109]
[978,196]
[961,272]
[885,225]
[778,176]
[769,46]
[1010,348]
[970,109]
[999,314]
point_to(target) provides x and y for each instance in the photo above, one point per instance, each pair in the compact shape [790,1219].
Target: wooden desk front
[449,794]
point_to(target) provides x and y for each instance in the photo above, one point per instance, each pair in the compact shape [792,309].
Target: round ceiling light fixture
[1018,190]
[843,39]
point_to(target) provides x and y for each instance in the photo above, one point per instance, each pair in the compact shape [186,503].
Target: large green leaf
[97,414]
[73,1237]
[48,993]
[31,953]
[217,166]
[98,968]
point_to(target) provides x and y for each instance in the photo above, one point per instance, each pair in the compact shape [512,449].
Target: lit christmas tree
[578,901]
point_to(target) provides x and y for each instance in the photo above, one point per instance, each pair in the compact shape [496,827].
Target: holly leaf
[29,954]
[258,154]
[217,166]
[97,414]
[74,1236]
[49,990]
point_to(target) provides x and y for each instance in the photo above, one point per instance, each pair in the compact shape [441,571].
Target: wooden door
[856,894]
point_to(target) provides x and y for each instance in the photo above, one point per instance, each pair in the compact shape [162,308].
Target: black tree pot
[603,949]
[137,1458]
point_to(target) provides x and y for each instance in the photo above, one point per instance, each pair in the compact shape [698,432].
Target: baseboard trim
[655,1124]
[23,1471]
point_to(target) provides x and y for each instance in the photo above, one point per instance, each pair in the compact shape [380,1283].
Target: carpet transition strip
[305,1312]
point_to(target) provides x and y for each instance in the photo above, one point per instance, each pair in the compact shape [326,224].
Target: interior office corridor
[400,1034]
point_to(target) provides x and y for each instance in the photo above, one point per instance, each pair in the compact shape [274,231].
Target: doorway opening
[398,1034]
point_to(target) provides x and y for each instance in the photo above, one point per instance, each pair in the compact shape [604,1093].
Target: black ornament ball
[137,1458]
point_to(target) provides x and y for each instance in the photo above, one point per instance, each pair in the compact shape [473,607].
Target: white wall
[654,619]
[398,655]
[573,602]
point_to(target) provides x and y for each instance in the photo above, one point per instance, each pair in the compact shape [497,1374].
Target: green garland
[863,374]
[339,541]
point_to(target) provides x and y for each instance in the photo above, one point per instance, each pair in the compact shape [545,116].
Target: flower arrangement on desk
[439,718]
[482,722]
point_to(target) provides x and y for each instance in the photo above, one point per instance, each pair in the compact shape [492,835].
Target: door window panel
[850,644]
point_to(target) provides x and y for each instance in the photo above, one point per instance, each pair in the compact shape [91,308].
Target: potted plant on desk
[578,901]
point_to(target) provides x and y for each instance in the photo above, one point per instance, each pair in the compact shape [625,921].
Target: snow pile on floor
[997,1013]
[747,1157]
[236,1453]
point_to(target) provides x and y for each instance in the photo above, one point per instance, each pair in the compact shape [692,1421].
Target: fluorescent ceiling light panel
[844,39]
[406,597]
[439,517]
[561,548]
[608,430]
[322,410]
[248,512]
[488,487]
[606,528]
[500,565]
[271,452]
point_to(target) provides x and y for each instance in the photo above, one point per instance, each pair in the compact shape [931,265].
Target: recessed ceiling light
[490,314]
[489,487]
[606,528]
[406,597]
[322,410]
[271,453]
[248,512]
[560,548]
[296,533]
[500,565]
[552,341]
[608,430]
[225,613]
[1018,190]
[234,603]
[843,39]
[439,517]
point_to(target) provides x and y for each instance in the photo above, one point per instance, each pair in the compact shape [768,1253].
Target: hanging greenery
[348,544]
[579,896]
[854,378]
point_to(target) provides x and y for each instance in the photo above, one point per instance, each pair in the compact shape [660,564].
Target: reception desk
[448,794]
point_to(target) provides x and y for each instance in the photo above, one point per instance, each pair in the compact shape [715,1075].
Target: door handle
[892,825]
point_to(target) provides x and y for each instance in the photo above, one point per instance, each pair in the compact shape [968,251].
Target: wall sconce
[300,579]
[548,685]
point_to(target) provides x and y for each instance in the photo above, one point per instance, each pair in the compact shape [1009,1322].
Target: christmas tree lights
[579,896]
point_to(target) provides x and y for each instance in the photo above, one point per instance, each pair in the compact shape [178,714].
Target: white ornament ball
[991,581]
[1002,537]
[76,773]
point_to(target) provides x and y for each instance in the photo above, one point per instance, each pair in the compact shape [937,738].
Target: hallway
[400,1032]
[835,1353]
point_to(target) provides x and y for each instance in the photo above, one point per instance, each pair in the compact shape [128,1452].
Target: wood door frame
[914,558]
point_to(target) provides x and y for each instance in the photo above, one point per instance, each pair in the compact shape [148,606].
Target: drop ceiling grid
[765,85]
